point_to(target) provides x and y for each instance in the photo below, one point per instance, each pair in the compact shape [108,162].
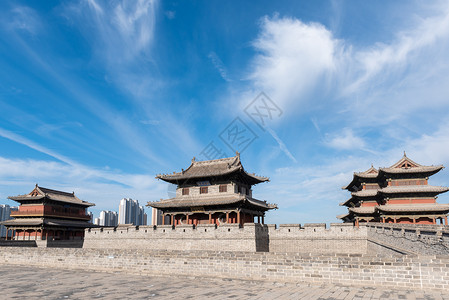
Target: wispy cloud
[218,64]
[26,142]
[345,140]
[18,176]
[23,18]
[122,35]
[124,30]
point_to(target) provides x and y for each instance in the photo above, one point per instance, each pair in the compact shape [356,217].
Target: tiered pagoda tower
[49,214]
[397,194]
[213,192]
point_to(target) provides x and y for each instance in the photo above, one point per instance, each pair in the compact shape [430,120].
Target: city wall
[371,238]
[412,272]
[310,238]
[408,239]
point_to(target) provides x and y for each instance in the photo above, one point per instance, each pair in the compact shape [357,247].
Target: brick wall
[228,237]
[409,239]
[316,238]
[425,272]
[311,238]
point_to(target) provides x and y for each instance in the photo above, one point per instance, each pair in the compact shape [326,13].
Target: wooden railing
[48,213]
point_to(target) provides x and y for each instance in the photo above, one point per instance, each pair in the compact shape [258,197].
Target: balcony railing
[47,213]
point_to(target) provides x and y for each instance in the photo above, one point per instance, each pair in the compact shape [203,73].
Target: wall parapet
[423,239]
[413,272]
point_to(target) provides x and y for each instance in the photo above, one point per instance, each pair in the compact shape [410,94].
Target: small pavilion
[213,192]
[48,214]
[396,194]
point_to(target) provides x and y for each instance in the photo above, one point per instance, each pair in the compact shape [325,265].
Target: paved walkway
[20,282]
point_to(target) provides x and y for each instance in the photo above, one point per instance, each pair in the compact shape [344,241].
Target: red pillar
[172,220]
[227,217]
[445,220]
[238,217]
[210,218]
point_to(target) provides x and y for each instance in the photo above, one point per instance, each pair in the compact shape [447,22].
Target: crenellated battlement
[232,237]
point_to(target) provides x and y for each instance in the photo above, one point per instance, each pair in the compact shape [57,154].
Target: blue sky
[99,97]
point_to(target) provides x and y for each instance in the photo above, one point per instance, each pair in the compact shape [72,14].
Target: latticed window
[185,191]
[203,190]
[223,188]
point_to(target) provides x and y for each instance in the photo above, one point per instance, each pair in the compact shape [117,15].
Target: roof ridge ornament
[193,160]
[405,155]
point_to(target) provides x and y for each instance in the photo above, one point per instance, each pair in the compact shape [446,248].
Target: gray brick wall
[410,239]
[419,272]
[315,238]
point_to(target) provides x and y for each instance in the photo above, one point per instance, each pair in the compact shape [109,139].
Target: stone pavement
[21,282]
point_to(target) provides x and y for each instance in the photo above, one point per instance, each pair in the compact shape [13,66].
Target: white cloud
[103,187]
[408,46]
[345,140]
[302,66]
[292,58]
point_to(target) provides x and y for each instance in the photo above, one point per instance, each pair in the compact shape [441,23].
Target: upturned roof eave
[177,177]
[412,170]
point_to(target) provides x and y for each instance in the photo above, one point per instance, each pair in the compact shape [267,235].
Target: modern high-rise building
[156,217]
[108,218]
[130,212]
[91,216]
[5,212]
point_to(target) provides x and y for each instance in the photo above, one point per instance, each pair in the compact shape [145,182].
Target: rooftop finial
[405,155]
[237,154]
[372,166]
[193,159]
[36,184]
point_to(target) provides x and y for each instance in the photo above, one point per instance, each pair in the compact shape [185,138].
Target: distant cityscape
[129,212]
[5,214]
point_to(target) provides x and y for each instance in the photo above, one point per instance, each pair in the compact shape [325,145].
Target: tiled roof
[370,173]
[410,167]
[363,209]
[365,193]
[413,208]
[41,192]
[211,168]
[413,189]
[347,201]
[342,216]
[404,166]
[210,200]
[420,169]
